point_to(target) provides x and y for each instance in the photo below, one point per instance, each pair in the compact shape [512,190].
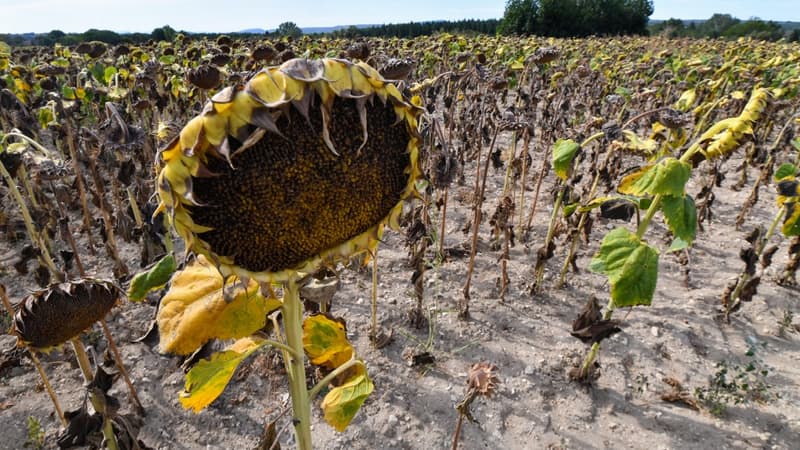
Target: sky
[41,16]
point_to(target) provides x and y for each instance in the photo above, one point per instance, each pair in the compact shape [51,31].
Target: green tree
[717,25]
[289,29]
[520,17]
[565,18]
[165,33]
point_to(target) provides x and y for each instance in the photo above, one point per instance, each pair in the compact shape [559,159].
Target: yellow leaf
[209,377]
[343,402]
[325,341]
[195,309]
[686,100]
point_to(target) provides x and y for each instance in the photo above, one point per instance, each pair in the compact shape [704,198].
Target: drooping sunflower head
[301,166]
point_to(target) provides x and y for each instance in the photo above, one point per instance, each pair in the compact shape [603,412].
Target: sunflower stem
[331,376]
[760,245]
[87,217]
[292,310]
[480,188]
[542,257]
[121,366]
[37,240]
[137,213]
[36,363]
[97,402]
[581,222]
[587,363]
[374,312]
[442,225]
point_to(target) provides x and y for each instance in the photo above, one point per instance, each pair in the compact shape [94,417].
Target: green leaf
[45,117]
[796,144]
[154,278]
[570,209]
[785,170]
[563,153]
[68,93]
[343,402]
[630,265]
[209,377]
[623,91]
[681,215]
[678,244]
[108,74]
[97,71]
[166,59]
[668,177]
[60,62]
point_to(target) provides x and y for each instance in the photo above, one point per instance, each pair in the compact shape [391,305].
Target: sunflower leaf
[681,215]
[196,310]
[564,152]
[791,223]
[154,278]
[668,177]
[342,403]
[325,341]
[630,265]
[784,171]
[209,377]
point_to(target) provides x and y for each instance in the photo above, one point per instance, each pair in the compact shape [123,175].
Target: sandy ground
[526,337]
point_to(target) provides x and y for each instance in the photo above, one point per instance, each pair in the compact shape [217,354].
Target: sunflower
[302,166]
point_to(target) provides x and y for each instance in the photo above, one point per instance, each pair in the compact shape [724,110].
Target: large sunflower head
[303,165]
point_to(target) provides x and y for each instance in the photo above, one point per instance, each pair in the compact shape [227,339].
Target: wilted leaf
[681,215]
[195,309]
[634,143]
[791,222]
[788,189]
[80,424]
[564,152]
[631,266]
[325,341]
[618,209]
[343,402]
[590,313]
[668,177]
[154,278]
[597,331]
[208,378]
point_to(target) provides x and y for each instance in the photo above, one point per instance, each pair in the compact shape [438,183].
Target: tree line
[558,18]
[576,18]
[726,26]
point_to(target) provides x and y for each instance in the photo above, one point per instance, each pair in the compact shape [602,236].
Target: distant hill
[787,25]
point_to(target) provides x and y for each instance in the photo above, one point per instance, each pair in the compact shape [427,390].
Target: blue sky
[19,16]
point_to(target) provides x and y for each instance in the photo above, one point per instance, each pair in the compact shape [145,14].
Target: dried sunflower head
[303,165]
[52,316]
[482,378]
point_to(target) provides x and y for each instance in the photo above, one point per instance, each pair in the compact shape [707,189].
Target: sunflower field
[441,242]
